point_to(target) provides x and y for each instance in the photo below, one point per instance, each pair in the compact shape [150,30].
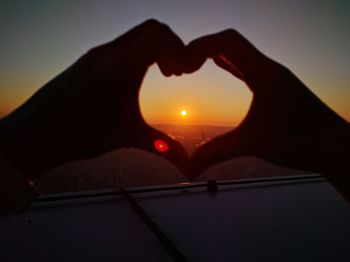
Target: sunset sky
[39,39]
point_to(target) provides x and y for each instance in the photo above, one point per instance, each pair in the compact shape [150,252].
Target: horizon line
[183,124]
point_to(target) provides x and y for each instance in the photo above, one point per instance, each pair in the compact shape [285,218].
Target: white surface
[81,231]
[287,221]
[280,222]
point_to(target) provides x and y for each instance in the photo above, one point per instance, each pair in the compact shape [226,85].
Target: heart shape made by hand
[92,107]
[274,129]
[231,52]
[194,108]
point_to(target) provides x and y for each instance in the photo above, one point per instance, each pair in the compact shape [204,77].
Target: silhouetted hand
[286,124]
[93,106]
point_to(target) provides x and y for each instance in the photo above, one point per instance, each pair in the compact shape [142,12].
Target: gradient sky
[39,39]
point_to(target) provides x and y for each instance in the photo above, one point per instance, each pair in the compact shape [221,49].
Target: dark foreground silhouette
[286,123]
[92,108]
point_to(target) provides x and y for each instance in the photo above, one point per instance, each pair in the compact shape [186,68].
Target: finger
[228,43]
[222,62]
[193,59]
[124,41]
[215,151]
[117,47]
[158,44]
[197,51]
[146,43]
[239,54]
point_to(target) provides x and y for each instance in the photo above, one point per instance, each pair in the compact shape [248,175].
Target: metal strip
[82,195]
[166,243]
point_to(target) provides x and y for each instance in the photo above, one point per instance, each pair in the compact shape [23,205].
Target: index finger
[231,51]
[143,45]
[158,44]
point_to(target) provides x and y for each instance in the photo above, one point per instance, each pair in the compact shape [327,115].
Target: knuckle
[230,33]
[93,54]
[94,50]
[163,28]
[158,26]
[151,22]
[280,70]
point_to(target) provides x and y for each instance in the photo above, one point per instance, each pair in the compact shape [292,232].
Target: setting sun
[184,113]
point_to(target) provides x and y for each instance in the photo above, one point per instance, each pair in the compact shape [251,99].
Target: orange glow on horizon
[210,96]
[188,100]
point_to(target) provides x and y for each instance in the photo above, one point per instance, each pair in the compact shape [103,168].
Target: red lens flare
[161,145]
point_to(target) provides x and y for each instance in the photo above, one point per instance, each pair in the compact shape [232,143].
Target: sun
[184,113]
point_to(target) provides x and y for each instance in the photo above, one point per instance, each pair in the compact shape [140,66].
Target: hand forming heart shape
[274,128]
[92,107]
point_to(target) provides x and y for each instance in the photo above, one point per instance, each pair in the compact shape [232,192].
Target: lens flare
[161,145]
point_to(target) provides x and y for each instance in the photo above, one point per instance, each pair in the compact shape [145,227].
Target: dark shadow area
[133,168]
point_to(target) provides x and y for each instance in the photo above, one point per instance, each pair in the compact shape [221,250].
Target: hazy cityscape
[192,136]
[132,167]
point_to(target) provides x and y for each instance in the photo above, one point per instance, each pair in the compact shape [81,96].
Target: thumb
[225,64]
[230,51]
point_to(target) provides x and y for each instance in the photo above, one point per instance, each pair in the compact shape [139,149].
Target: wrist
[335,143]
[16,192]
[18,145]
[336,158]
